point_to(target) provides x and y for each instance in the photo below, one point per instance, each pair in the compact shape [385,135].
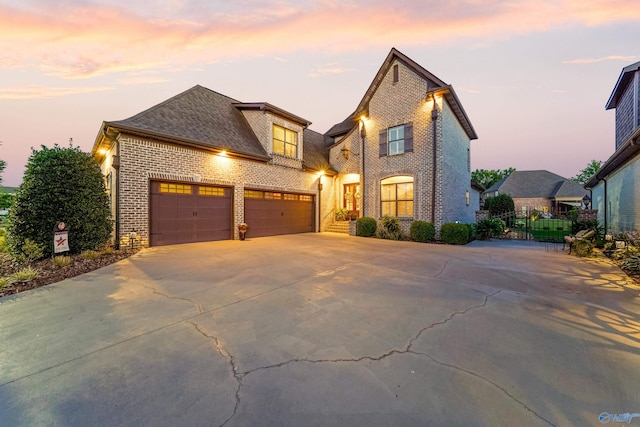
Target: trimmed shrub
[89,254]
[390,230]
[422,231]
[455,234]
[366,226]
[60,185]
[60,261]
[341,214]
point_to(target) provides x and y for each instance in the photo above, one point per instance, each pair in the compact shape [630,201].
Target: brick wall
[396,104]
[143,160]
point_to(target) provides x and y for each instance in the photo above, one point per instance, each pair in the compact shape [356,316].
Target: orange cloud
[604,58]
[39,92]
[79,41]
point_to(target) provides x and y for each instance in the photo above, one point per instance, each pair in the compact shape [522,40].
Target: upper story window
[396,75]
[396,140]
[285,141]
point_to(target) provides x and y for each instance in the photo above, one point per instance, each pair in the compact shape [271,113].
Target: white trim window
[285,142]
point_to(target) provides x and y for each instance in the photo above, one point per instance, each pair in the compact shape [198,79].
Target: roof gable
[434,84]
[198,116]
[623,81]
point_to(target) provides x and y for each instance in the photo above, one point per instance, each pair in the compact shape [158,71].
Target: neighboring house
[195,166]
[613,187]
[541,190]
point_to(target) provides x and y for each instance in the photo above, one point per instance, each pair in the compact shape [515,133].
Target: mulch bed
[51,274]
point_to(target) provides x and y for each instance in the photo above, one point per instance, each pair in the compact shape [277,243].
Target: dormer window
[285,142]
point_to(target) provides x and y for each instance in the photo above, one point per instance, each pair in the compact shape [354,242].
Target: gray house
[540,189]
[613,187]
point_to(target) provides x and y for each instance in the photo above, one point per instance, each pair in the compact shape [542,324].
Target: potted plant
[242,230]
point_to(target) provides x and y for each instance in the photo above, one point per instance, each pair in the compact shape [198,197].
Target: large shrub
[366,226]
[422,231]
[60,185]
[391,228]
[499,204]
[455,234]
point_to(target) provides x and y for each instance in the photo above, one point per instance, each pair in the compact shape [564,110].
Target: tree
[3,164]
[500,204]
[60,185]
[488,177]
[585,174]
[5,200]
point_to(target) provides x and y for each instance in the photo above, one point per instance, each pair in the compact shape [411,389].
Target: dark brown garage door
[187,213]
[270,213]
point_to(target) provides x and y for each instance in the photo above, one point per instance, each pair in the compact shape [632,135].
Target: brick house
[541,190]
[195,166]
[613,188]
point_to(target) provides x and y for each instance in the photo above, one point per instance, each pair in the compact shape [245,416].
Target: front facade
[199,164]
[613,187]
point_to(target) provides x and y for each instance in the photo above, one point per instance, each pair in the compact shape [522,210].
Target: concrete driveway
[326,329]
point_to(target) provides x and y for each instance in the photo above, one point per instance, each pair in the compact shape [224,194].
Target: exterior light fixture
[102,151]
[345,153]
[587,201]
[223,153]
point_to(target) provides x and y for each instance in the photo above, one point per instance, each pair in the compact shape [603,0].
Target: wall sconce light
[345,153]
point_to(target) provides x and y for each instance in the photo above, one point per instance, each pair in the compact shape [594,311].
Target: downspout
[434,120]
[606,208]
[116,166]
[363,134]
[319,202]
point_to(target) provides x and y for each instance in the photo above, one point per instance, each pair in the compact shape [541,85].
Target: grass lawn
[545,229]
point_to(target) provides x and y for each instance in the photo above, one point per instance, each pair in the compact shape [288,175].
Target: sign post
[60,239]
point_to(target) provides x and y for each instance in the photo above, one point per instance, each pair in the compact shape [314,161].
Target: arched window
[396,196]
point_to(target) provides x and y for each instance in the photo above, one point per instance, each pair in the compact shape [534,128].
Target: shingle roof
[315,151]
[198,116]
[342,127]
[539,183]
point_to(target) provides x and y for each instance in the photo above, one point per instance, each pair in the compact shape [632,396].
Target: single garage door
[187,213]
[270,213]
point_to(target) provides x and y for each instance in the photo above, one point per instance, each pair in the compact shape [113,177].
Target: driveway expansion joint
[232,362]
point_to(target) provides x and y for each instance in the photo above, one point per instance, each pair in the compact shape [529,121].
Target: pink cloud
[39,92]
[81,40]
[601,59]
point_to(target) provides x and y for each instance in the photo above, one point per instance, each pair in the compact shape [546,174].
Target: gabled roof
[434,85]
[538,183]
[342,127]
[198,117]
[265,106]
[623,81]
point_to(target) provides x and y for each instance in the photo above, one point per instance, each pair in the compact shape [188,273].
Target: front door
[351,199]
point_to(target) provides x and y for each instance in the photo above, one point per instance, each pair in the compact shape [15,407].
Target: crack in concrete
[487,380]
[384,355]
[157,292]
[232,362]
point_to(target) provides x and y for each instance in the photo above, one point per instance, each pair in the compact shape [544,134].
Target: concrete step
[339,227]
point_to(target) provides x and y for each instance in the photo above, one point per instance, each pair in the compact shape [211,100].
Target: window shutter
[408,138]
[383,143]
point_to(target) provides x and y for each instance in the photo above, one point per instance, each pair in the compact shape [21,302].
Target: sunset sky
[533,76]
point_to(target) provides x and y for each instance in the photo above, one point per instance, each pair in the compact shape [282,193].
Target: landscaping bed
[48,273]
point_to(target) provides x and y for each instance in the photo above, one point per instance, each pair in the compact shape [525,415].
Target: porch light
[223,153]
[345,153]
[102,151]
[587,201]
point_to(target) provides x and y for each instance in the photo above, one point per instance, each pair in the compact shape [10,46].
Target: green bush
[61,261]
[455,234]
[366,226]
[60,185]
[390,230]
[422,231]
[342,214]
[488,228]
[499,204]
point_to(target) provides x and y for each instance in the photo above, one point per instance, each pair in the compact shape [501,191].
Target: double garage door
[188,213]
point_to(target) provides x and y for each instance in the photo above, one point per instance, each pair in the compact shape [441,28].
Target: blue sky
[533,76]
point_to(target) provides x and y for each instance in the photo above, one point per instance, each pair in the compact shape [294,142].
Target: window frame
[397,143]
[394,201]
[285,143]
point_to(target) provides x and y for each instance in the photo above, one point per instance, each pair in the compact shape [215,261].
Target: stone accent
[587,214]
[481,215]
